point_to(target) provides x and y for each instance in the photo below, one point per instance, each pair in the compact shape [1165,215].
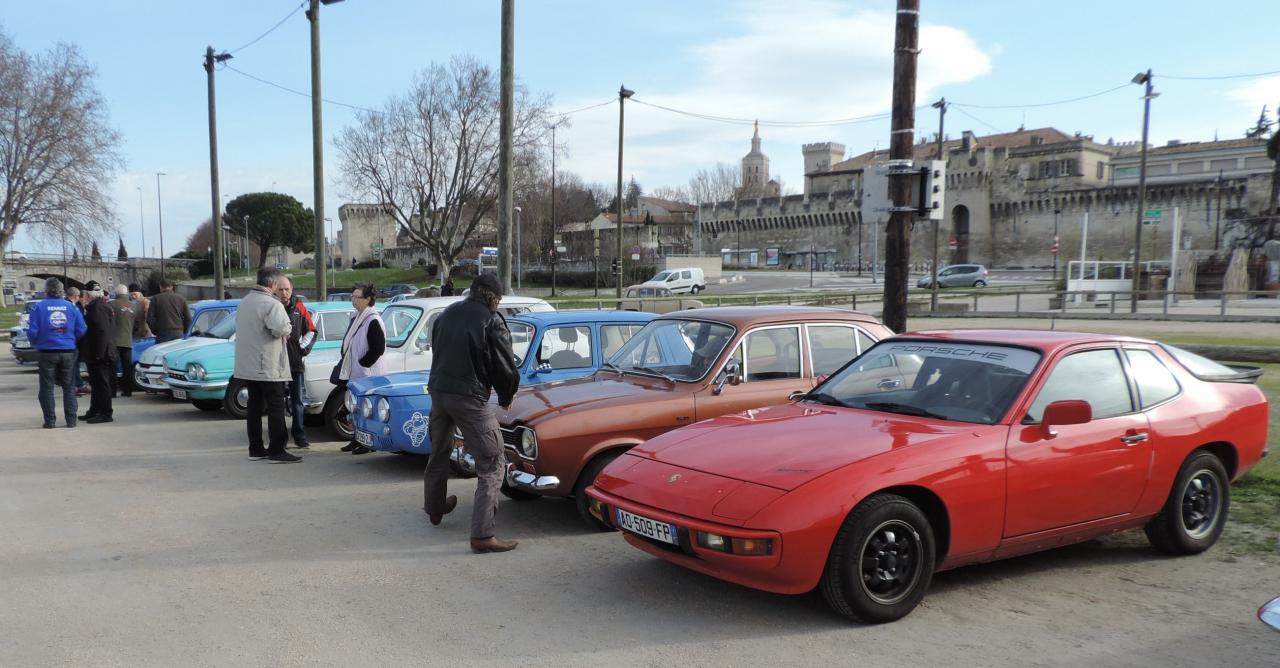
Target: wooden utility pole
[901,137]
[505,147]
[317,157]
[214,196]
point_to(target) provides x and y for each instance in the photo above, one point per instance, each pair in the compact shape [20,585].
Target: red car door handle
[1131,439]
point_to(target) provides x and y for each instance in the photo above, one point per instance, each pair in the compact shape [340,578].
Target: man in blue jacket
[54,328]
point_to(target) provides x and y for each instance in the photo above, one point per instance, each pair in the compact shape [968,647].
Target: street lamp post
[142,225]
[623,94]
[1141,78]
[317,147]
[1056,250]
[160,221]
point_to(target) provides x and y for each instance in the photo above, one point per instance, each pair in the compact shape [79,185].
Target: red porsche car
[940,449]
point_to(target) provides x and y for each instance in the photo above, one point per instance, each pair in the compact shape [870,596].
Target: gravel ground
[154,541]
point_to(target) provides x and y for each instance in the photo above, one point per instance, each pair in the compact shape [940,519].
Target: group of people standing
[73,327]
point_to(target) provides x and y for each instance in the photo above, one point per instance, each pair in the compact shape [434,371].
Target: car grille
[511,438]
[175,375]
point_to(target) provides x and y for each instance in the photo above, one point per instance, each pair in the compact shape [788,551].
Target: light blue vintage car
[202,375]
[390,412]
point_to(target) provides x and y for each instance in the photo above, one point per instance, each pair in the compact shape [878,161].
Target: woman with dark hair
[363,345]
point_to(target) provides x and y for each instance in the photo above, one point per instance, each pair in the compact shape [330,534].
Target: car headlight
[384,410]
[349,403]
[528,443]
[196,372]
[21,343]
[366,407]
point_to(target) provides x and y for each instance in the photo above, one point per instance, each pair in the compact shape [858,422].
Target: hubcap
[242,398]
[1201,504]
[891,562]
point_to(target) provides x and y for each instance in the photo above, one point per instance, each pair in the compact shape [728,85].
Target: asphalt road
[153,541]
[767,282]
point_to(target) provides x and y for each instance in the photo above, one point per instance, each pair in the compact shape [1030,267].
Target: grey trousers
[480,432]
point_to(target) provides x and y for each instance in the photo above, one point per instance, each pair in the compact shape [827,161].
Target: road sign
[1153,214]
[635,256]
[953,244]
[489,251]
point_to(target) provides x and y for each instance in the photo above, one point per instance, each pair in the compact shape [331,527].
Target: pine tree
[121,253]
[95,254]
[1262,127]
[75,255]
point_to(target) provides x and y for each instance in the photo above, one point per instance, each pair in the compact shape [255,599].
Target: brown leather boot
[450,502]
[492,544]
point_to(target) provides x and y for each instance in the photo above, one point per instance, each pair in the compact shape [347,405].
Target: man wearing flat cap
[472,357]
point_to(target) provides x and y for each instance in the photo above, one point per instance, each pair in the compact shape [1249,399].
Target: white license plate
[660,531]
[179,394]
[154,380]
[364,438]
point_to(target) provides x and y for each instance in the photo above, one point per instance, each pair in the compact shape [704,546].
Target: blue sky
[800,60]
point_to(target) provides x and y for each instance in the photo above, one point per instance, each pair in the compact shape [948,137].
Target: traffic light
[617,265]
[931,190]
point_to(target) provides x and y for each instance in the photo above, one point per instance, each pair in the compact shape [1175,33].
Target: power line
[961,110]
[1219,77]
[271,29]
[582,109]
[770,123]
[1041,104]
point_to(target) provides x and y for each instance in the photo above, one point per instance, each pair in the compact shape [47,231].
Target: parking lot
[154,541]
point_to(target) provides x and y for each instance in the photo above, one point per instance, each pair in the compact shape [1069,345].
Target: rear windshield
[1206,369]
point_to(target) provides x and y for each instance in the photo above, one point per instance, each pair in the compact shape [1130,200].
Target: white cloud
[1253,94]
[796,61]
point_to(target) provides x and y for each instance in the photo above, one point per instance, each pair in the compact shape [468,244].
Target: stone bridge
[27,272]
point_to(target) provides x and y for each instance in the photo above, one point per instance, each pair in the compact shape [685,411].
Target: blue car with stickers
[390,412]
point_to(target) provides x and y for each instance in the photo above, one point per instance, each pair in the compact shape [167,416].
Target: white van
[689,280]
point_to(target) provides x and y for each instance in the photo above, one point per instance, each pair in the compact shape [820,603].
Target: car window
[683,350]
[206,320]
[567,347]
[1201,367]
[662,276]
[424,335]
[1155,382]
[773,354]
[333,324]
[686,274]
[947,272]
[613,336]
[1094,376]
[225,329]
[400,321]
[631,292]
[864,341]
[521,337]
[831,347]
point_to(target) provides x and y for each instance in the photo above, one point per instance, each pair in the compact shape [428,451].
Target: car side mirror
[1270,614]
[421,347]
[1066,411]
[731,374]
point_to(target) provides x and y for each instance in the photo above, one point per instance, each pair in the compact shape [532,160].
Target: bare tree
[57,152]
[431,156]
[672,194]
[718,184]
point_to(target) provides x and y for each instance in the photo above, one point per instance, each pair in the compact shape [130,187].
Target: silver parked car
[958,276]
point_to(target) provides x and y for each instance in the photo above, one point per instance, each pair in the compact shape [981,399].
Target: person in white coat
[262,326]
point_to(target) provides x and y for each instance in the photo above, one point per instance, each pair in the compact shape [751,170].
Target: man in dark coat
[98,351]
[168,314]
[472,358]
[302,338]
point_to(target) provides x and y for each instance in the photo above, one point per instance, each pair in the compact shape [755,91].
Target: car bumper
[150,379]
[767,573]
[197,385]
[26,355]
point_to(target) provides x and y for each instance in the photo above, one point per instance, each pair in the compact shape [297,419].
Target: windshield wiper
[903,409]
[822,398]
[611,367]
[655,372]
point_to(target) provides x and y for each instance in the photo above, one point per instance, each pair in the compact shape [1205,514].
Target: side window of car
[612,337]
[207,319]
[686,275]
[773,354]
[864,341]
[1094,376]
[521,338]
[831,346]
[1155,382]
[333,325]
[566,347]
[423,340]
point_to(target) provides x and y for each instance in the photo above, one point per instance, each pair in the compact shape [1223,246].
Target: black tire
[695,290]
[235,403]
[588,476]
[336,417]
[979,284]
[207,405]
[1196,511]
[892,533]
[516,494]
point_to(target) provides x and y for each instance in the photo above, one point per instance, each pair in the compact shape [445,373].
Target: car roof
[316,307]
[549,318]
[1039,339]
[437,302]
[215,303]
[750,316]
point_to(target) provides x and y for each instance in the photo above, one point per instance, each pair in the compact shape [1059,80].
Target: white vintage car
[408,349]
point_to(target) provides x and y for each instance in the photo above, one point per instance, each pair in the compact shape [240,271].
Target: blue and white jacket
[55,325]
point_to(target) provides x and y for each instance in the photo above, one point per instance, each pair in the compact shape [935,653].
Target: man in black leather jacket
[471,356]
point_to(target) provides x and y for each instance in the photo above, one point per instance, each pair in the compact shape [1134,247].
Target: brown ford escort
[680,368]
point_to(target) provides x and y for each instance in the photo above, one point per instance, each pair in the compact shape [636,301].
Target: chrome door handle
[1133,438]
[796,395]
[888,383]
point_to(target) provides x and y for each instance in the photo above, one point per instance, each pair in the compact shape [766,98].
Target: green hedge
[587,279]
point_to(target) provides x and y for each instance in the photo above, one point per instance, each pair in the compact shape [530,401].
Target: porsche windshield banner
[1017,359]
